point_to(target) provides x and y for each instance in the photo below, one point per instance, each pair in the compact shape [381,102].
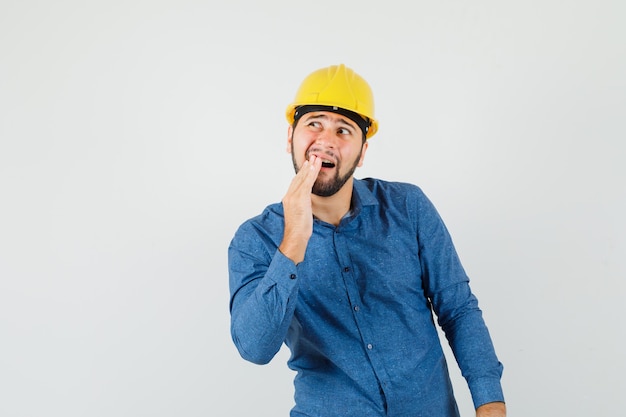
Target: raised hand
[298,211]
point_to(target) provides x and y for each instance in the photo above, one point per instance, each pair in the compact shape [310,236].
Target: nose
[326,138]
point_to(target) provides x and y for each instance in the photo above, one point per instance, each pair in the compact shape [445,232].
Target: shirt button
[292,276]
[356,308]
[346,269]
[369,346]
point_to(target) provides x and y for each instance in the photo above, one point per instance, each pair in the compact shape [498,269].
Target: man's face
[334,138]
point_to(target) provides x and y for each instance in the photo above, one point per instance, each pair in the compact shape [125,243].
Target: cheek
[298,139]
[351,153]
[302,142]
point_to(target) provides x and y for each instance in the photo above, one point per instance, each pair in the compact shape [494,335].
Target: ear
[289,138]
[363,151]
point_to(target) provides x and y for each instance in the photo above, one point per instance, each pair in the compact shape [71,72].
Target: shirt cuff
[284,272]
[486,390]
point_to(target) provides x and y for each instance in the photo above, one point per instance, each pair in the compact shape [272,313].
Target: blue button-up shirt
[357,313]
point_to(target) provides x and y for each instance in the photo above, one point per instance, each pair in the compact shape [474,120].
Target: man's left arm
[447,286]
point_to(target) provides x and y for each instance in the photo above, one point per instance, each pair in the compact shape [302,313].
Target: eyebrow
[339,118]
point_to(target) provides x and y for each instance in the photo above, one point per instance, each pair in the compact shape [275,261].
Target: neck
[332,209]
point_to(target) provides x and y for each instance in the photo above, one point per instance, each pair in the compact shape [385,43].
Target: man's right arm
[264,291]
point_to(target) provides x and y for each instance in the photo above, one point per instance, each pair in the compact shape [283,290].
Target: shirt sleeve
[263,292]
[447,286]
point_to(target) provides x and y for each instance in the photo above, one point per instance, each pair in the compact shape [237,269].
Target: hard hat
[337,87]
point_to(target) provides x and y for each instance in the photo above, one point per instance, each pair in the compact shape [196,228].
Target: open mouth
[327,164]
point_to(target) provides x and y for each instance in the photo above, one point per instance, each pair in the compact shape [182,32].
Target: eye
[344,131]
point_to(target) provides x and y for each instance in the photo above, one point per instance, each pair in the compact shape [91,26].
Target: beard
[329,186]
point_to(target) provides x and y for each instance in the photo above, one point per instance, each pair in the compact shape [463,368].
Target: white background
[135,136]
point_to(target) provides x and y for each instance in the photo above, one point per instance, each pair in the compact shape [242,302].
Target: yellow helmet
[338,87]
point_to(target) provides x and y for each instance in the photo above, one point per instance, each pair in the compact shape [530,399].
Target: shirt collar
[361,196]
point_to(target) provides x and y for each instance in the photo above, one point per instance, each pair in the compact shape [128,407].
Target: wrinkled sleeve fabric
[447,286]
[263,292]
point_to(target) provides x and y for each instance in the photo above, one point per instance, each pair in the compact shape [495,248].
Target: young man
[347,273]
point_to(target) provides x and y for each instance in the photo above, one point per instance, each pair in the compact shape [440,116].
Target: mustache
[320,151]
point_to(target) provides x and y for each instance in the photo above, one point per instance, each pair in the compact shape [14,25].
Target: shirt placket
[341,242]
